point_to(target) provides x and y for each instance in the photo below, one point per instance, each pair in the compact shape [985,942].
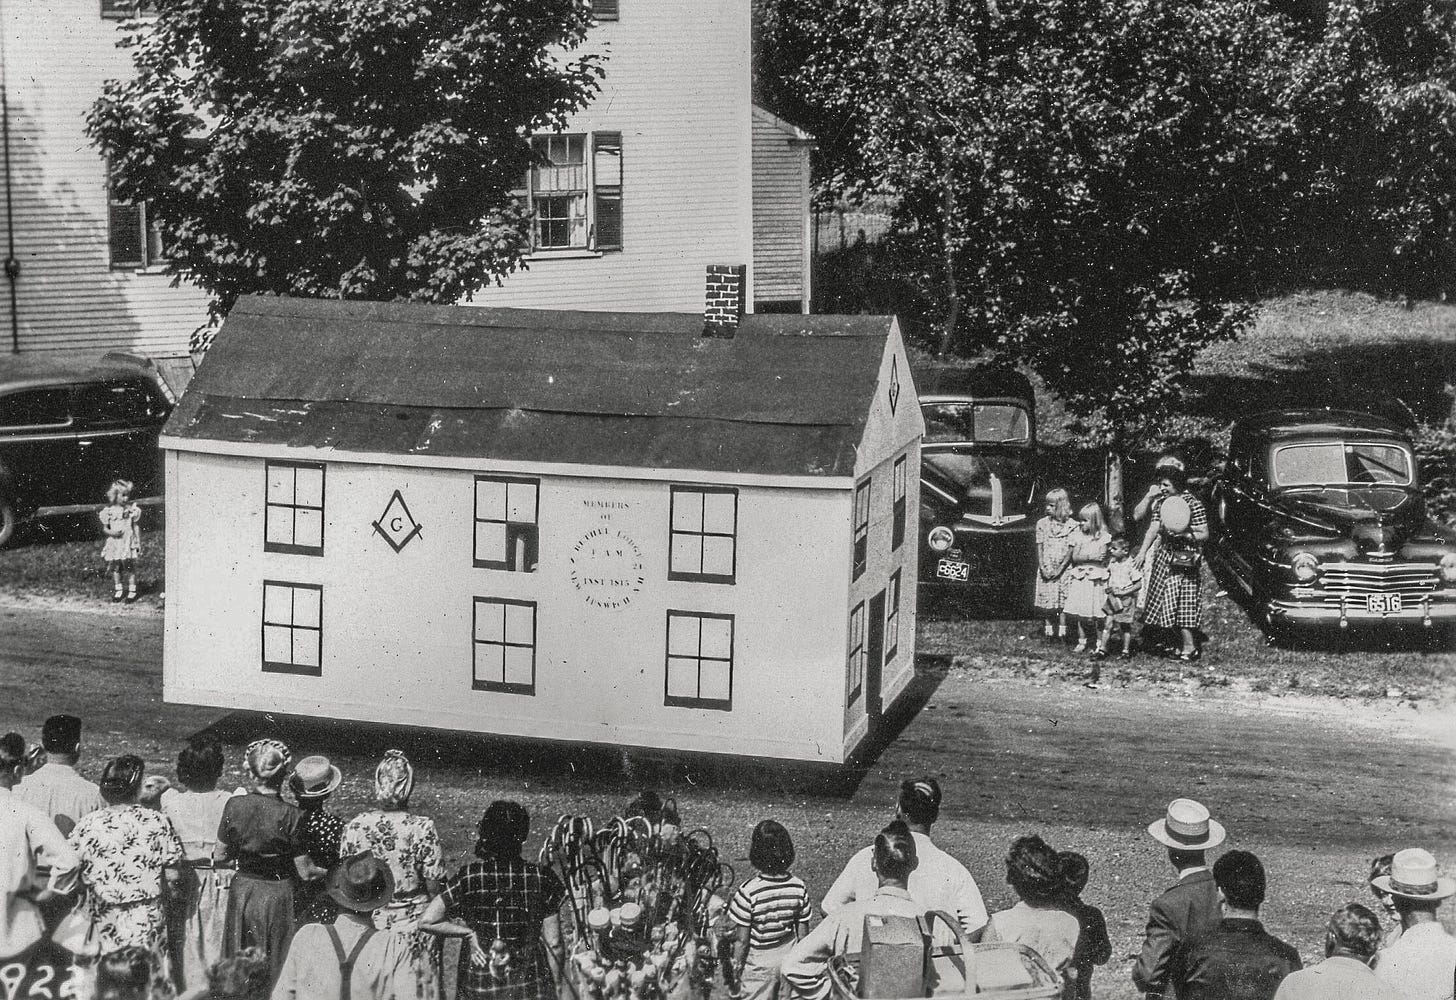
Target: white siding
[68,299]
[780,211]
[677,88]
[397,626]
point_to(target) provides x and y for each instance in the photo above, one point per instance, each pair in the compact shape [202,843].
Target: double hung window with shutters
[506,531]
[856,662]
[134,240]
[292,628]
[699,660]
[704,534]
[293,517]
[861,528]
[576,191]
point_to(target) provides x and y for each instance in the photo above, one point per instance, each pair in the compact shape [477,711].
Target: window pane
[277,644]
[717,638]
[277,604]
[490,499]
[687,553]
[682,635]
[111,404]
[308,527]
[310,487]
[489,663]
[520,624]
[490,541]
[715,680]
[687,511]
[521,503]
[279,529]
[36,408]
[717,555]
[682,677]
[306,606]
[490,623]
[518,666]
[305,647]
[719,512]
[607,160]
[280,484]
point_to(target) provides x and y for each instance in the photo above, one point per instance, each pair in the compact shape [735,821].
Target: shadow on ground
[619,768]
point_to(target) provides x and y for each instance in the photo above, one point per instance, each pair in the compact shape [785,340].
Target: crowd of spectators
[139,888]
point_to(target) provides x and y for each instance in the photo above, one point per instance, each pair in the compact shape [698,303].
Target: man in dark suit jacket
[1189,908]
[1237,960]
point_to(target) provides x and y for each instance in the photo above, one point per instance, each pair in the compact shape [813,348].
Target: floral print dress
[410,845]
[1053,551]
[123,851]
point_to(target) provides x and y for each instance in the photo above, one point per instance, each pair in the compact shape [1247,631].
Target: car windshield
[990,423]
[1334,463]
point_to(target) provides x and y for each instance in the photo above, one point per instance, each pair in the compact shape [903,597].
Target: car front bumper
[1353,611]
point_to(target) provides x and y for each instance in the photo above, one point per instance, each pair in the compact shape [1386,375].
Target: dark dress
[263,834]
[509,898]
[1093,946]
[321,832]
[1238,960]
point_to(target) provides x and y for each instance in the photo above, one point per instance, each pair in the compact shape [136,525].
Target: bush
[1436,453]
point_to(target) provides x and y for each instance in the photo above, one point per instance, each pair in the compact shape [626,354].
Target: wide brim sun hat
[1187,826]
[1413,875]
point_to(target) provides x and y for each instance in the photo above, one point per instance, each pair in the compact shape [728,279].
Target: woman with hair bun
[196,813]
[1035,873]
[129,856]
[506,911]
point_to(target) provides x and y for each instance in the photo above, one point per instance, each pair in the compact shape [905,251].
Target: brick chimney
[723,305]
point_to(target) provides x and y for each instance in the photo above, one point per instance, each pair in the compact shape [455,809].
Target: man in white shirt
[1351,938]
[1421,963]
[893,862]
[939,882]
[55,788]
[344,960]
[28,840]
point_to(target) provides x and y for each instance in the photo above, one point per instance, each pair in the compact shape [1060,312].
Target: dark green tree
[359,149]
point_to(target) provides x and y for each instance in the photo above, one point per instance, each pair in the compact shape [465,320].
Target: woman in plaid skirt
[1177,564]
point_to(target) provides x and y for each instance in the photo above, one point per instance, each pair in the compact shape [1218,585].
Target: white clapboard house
[670,168]
[624,528]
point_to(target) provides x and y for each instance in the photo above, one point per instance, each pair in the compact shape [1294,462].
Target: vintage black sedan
[1318,520]
[978,485]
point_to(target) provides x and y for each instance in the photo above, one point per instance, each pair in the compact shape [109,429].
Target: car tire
[8,521]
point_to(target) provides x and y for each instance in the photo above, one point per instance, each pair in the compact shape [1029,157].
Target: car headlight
[1305,566]
[940,538]
[1448,567]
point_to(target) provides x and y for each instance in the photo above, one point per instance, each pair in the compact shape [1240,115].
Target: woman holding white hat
[1180,526]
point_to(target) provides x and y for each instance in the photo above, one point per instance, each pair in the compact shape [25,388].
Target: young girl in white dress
[120,520]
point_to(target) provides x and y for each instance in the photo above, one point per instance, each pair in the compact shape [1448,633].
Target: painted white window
[576,191]
[892,617]
[897,530]
[293,520]
[704,534]
[699,660]
[504,643]
[856,660]
[292,627]
[861,528]
[506,529]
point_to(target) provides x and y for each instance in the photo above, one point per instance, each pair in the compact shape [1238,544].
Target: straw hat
[1187,827]
[1413,876]
[314,777]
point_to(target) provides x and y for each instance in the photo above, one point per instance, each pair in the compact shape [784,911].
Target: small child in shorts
[770,910]
[1124,580]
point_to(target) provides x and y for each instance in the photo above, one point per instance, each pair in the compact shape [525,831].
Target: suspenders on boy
[346,962]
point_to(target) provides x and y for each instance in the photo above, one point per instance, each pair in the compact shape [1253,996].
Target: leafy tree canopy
[361,149]
[1087,184]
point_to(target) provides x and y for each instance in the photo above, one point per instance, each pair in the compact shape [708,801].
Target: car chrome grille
[1411,580]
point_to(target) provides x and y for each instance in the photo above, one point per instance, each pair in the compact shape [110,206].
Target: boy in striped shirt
[770,910]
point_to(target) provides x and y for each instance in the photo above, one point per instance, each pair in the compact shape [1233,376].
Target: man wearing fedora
[1189,908]
[1421,963]
[346,959]
[1351,938]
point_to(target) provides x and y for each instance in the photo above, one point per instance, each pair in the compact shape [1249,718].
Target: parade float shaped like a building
[635,529]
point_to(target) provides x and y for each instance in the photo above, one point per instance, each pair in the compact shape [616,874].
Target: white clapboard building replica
[636,529]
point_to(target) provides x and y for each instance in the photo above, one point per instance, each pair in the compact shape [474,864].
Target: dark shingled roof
[789,395]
